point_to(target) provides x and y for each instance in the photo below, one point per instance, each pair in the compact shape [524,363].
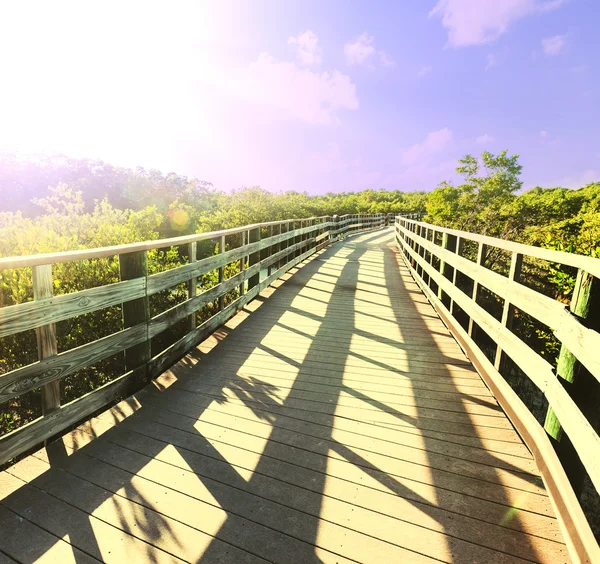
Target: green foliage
[57,204]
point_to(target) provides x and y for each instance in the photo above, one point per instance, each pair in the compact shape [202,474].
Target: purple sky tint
[317,96]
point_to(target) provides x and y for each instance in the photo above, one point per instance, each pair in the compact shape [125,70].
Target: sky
[309,96]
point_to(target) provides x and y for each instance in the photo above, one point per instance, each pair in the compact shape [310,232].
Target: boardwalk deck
[333,420]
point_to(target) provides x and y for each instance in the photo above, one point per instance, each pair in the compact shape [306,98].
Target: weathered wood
[221,272]
[170,317]
[71,256]
[135,312]
[43,289]
[577,531]
[243,265]
[32,434]
[508,310]
[58,366]
[459,249]
[193,282]
[52,309]
[579,383]
[254,258]
[580,340]
[589,264]
[481,256]
[538,370]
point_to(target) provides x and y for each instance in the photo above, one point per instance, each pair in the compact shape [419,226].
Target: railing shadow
[234,457]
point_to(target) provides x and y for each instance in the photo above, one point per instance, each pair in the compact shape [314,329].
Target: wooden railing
[263,252]
[567,446]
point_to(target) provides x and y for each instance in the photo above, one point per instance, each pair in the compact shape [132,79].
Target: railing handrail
[99,252]
[420,244]
[258,261]
[587,263]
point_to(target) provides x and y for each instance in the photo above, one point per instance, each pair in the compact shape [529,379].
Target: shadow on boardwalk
[328,426]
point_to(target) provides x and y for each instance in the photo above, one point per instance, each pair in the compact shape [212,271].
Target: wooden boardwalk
[333,420]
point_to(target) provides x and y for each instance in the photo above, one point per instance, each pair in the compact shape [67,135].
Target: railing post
[508,311]
[46,335]
[481,255]
[192,284]
[577,380]
[254,258]
[459,249]
[449,243]
[135,265]
[270,267]
[221,272]
[243,265]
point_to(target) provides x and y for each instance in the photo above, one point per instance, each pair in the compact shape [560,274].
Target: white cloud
[554,45]
[386,59]
[297,93]
[476,22]
[484,139]
[419,153]
[358,51]
[308,50]
[423,71]
[578,69]
[544,133]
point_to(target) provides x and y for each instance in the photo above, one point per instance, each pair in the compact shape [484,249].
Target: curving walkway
[333,420]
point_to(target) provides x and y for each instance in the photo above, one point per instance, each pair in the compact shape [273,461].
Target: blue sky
[317,96]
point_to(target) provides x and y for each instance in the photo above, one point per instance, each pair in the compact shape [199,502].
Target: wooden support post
[135,265]
[481,255]
[508,311]
[582,386]
[459,249]
[46,335]
[254,258]
[449,243]
[270,267]
[192,284]
[243,265]
[221,272]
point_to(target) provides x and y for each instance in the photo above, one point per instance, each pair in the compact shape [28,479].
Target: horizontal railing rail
[567,446]
[259,260]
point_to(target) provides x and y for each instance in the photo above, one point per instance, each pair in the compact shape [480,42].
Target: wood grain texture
[301,432]
[52,309]
[585,439]
[580,340]
[43,289]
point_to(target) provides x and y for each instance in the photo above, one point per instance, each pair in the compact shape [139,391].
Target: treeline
[52,204]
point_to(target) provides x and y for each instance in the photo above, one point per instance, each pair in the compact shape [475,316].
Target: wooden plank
[575,528]
[43,288]
[514,274]
[589,264]
[28,436]
[254,258]
[27,542]
[53,368]
[579,383]
[580,340]
[585,440]
[136,312]
[192,283]
[83,254]
[52,309]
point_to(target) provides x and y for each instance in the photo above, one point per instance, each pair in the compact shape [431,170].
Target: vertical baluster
[221,272]
[516,262]
[46,335]
[192,284]
[135,265]
[481,255]
[254,258]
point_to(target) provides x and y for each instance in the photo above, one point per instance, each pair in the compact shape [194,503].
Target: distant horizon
[290,97]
